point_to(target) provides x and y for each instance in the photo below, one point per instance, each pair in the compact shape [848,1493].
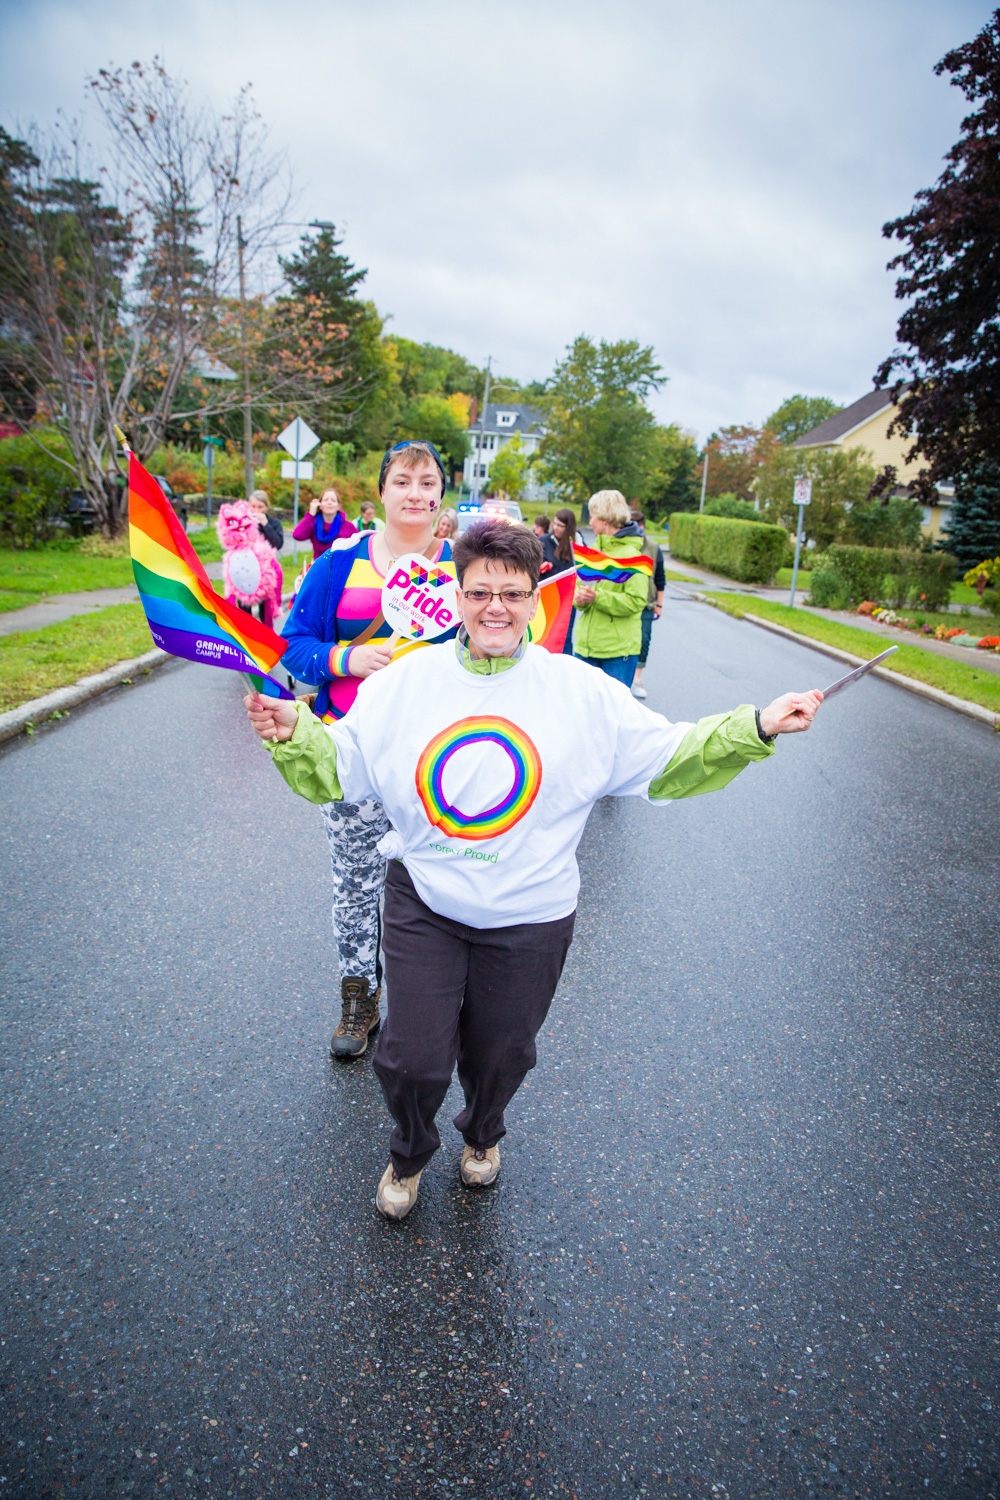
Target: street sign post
[298,439]
[802,496]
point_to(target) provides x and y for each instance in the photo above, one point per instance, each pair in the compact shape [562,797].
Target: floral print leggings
[352,830]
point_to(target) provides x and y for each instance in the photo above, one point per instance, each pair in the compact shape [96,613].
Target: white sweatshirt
[489,780]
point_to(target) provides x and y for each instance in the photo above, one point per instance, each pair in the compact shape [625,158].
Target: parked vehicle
[494,510]
[78,516]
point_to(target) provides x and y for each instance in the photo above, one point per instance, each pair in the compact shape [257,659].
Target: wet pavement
[745,1239]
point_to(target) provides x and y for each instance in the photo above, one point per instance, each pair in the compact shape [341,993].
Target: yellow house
[865,424]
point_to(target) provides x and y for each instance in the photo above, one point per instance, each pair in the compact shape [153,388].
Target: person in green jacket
[609,622]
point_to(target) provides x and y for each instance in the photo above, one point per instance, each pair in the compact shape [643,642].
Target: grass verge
[970,682]
[30,576]
[27,577]
[783,579]
[33,662]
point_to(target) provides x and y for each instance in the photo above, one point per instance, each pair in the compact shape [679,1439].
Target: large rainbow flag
[186,616]
[595,567]
[555,609]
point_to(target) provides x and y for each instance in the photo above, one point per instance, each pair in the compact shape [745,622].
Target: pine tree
[319,271]
[320,278]
[973,531]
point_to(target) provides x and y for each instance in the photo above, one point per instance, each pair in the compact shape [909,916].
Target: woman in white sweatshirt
[457,743]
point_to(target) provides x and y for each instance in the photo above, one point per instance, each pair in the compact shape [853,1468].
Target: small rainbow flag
[186,616]
[595,567]
[555,609]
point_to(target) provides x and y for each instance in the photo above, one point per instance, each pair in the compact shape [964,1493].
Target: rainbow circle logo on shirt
[525,761]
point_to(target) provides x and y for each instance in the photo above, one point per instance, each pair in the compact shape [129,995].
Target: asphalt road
[745,1241]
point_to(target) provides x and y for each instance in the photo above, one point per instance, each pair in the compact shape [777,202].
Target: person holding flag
[613,582]
[337,636]
[457,743]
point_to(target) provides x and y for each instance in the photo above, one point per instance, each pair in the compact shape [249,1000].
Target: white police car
[492,510]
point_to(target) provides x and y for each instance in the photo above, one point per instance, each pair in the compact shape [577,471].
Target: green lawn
[971,682]
[33,662]
[61,568]
[26,577]
[783,579]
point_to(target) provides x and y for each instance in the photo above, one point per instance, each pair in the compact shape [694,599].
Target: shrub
[827,589]
[988,569]
[732,507]
[748,550]
[682,524]
[32,486]
[892,575]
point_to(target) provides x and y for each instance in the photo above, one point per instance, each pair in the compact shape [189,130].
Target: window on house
[506,418]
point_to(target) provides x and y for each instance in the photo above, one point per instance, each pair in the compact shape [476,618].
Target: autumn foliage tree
[736,455]
[120,305]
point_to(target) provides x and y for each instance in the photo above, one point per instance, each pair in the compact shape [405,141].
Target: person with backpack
[654,600]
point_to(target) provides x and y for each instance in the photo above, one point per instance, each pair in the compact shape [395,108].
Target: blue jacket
[311,627]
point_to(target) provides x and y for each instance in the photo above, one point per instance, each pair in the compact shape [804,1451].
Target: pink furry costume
[250,568]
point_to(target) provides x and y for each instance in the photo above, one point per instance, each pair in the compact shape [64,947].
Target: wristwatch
[767,739]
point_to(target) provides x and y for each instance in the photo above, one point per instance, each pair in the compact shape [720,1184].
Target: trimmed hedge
[748,550]
[897,576]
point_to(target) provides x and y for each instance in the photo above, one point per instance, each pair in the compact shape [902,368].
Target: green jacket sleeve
[710,755]
[629,600]
[308,761]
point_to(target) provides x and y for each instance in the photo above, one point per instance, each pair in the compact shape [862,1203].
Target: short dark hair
[542,521]
[409,454]
[515,547]
[637,516]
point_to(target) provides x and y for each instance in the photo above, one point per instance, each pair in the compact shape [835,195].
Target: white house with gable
[503,421]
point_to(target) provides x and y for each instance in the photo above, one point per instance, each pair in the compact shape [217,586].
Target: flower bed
[955,635]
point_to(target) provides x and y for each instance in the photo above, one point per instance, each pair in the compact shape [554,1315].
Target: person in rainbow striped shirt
[457,743]
[337,637]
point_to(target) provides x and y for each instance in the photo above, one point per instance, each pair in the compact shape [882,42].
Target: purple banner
[212,653]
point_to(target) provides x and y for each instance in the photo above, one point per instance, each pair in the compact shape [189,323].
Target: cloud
[709,179]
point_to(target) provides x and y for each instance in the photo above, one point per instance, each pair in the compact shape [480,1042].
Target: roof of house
[838,426]
[528,419]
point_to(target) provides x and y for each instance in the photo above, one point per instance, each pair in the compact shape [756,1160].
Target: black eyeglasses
[485,596]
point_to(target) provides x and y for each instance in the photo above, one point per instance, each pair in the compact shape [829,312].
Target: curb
[911,684]
[16,720]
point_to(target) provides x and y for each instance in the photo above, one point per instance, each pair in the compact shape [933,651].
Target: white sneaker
[480,1166]
[638,691]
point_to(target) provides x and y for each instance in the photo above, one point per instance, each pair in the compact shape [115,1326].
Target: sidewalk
[987,660]
[60,607]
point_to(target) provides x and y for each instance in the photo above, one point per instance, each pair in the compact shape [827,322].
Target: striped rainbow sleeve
[338,661]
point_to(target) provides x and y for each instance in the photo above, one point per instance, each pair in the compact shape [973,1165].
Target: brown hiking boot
[480,1166]
[359,1020]
[395,1195]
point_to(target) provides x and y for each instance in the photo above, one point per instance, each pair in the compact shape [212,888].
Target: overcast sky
[707,176]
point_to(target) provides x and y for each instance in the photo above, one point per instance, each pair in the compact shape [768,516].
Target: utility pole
[704,479]
[247,415]
[479,435]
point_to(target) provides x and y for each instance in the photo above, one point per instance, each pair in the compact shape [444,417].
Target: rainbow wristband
[338,661]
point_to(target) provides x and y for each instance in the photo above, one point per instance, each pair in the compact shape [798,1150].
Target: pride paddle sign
[419,599]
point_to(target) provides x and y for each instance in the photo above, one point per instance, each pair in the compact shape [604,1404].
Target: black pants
[475,996]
